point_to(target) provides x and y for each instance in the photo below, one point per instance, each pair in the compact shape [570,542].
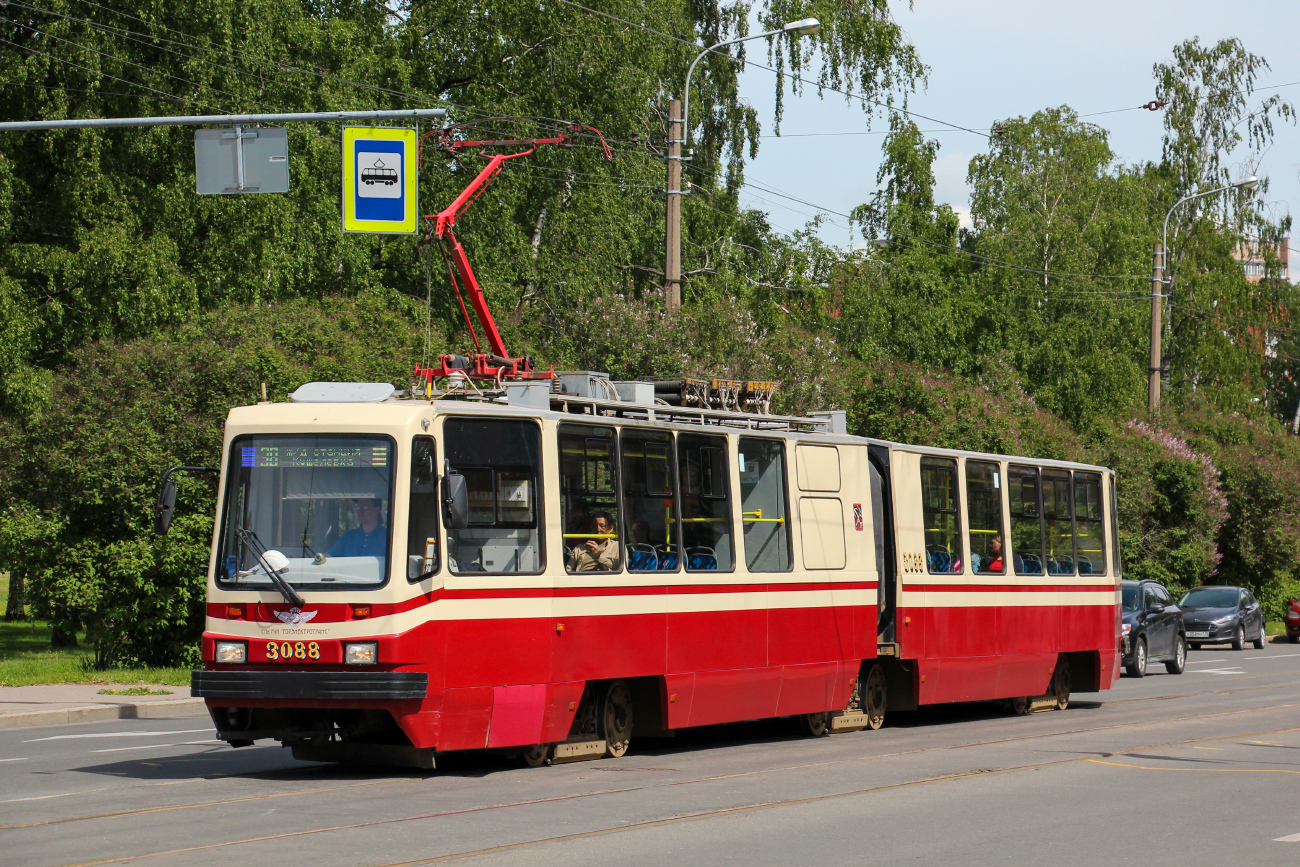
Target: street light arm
[1164,236]
[686,98]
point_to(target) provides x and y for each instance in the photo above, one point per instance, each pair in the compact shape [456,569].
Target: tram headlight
[361,652]
[232,651]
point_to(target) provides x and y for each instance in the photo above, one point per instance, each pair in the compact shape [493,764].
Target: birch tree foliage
[1217,127]
[101,232]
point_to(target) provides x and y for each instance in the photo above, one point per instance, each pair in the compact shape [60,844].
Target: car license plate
[1198,635]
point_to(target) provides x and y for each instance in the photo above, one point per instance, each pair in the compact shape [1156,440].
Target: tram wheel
[815,725]
[537,755]
[615,718]
[875,698]
[1019,705]
[1061,684]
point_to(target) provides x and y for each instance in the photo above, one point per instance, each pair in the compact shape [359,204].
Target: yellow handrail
[590,535]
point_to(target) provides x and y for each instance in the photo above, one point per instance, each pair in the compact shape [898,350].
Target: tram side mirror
[455,501]
[166,508]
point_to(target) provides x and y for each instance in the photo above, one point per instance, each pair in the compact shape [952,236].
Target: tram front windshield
[317,509]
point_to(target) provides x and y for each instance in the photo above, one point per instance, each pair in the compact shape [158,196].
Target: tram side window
[939,511]
[1114,530]
[589,498]
[502,465]
[650,502]
[984,512]
[1058,522]
[1026,520]
[422,511]
[1089,529]
[706,503]
[762,505]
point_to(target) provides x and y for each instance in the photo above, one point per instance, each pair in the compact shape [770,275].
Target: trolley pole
[673,234]
[1157,300]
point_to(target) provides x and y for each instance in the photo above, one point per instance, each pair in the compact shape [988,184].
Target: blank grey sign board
[266,160]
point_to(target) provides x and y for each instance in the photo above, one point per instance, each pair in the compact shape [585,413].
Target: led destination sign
[314,456]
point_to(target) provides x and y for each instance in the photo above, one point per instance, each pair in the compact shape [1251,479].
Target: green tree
[1214,313]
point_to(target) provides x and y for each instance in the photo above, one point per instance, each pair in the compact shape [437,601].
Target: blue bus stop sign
[379,181]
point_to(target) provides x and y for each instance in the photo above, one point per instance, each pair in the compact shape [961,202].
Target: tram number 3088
[292,650]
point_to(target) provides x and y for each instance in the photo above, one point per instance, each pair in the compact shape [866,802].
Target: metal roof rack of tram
[681,401]
[590,406]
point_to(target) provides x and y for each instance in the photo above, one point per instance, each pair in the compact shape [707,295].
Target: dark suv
[1153,628]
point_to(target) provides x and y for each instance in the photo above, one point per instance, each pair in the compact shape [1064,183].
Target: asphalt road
[1193,769]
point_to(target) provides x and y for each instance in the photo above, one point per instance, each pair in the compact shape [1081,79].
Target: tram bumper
[310,685]
[312,709]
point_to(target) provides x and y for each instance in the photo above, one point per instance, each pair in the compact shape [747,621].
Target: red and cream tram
[551,570]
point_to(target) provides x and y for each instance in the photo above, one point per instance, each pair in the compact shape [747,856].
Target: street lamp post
[1158,282]
[678,130]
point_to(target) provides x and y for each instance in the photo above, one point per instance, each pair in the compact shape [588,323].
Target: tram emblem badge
[295,616]
[857,517]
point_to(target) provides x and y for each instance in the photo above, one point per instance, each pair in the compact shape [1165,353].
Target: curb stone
[100,713]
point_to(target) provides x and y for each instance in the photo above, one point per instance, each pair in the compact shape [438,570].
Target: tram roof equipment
[497,364]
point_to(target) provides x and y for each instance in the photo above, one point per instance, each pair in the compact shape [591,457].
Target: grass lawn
[26,658]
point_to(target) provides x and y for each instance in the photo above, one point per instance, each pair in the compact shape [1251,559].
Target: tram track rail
[670,820]
[163,808]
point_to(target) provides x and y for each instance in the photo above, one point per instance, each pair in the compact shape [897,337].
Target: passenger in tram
[598,555]
[994,561]
[579,517]
[638,533]
[368,540]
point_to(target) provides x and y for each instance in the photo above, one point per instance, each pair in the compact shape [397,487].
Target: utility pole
[1157,301]
[673,235]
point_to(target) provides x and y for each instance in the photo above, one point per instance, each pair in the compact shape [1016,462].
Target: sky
[1008,58]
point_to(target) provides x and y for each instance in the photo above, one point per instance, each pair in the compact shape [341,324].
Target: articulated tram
[554,568]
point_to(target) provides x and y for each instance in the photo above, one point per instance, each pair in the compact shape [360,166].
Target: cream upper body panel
[814,496]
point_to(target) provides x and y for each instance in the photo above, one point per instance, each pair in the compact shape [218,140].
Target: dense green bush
[80,477]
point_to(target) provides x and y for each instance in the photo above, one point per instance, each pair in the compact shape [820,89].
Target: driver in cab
[368,540]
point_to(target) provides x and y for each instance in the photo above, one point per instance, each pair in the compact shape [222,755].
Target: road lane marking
[159,746]
[117,735]
[1290,838]
[1274,656]
[1198,770]
[13,760]
[1218,749]
[1204,661]
[166,808]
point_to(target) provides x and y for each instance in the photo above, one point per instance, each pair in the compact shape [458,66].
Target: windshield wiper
[258,550]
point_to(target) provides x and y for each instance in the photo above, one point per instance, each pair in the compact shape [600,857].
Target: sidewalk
[59,704]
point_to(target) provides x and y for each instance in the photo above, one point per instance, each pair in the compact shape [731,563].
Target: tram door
[883,527]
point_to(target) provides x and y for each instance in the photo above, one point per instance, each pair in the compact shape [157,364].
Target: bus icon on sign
[379,174]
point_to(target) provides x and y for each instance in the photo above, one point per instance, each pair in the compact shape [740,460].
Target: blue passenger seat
[700,558]
[642,558]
